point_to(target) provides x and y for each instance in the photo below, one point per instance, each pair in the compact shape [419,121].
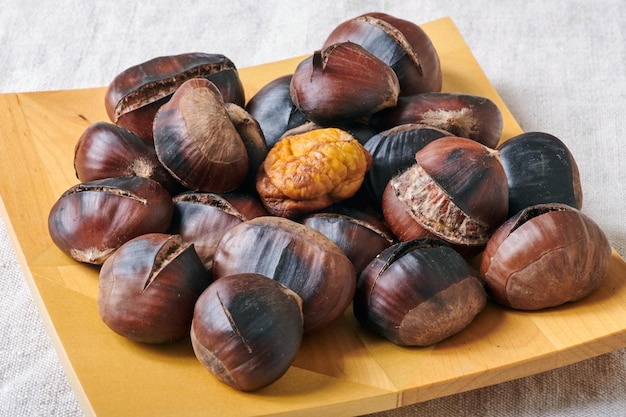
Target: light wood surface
[340,370]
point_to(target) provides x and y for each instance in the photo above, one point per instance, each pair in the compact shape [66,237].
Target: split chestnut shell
[544,256]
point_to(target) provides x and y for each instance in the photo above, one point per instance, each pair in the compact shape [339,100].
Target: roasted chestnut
[540,169]
[148,288]
[343,83]
[295,255]
[461,114]
[544,256]
[399,43]
[134,96]
[197,142]
[457,190]
[91,220]
[106,150]
[202,218]
[418,293]
[247,330]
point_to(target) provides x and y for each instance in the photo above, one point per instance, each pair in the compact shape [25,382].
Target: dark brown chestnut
[295,255]
[399,43]
[461,114]
[91,220]
[418,293]
[358,233]
[134,95]
[197,142]
[544,256]
[247,330]
[106,150]
[148,288]
[343,83]
[540,169]
[457,190]
[202,218]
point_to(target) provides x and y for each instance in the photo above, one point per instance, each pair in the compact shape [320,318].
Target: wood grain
[340,370]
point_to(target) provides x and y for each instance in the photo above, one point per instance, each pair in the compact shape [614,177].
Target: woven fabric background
[560,66]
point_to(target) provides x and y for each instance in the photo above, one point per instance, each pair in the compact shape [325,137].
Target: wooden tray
[341,370]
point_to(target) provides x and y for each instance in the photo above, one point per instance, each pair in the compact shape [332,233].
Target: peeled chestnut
[106,150]
[418,293]
[91,220]
[457,190]
[148,288]
[359,234]
[343,83]
[540,169]
[544,256]
[399,43]
[247,330]
[202,218]
[461,114]
[295,255]
[134,96]
[197,142]
[393,151]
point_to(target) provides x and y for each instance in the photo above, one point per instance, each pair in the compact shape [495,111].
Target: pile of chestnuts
[246,225]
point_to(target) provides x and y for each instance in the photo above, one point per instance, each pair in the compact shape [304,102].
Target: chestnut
[544,256]
[540,169]
[91,220]
[197,142]
[359,131]
[295,255]
[106,150]
[134,95]
[202,218]
[148,288]
[247,330]
[457,190]
[399,43]
[461,114]
[418,293]
[343,83]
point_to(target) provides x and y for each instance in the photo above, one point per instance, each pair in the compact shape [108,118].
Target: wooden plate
[339,371]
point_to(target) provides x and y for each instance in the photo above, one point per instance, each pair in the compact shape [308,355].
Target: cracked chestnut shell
[91,220]
[464,115]
[544,256]
[134,96]
[197,142]
[148,288]
[540,169]
[418,293]
[247,330]
[295,255]
[399,43]
[343,83]
[457,191]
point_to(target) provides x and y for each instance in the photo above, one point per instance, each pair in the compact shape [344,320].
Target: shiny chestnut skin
[295,255]
[135,94]
[540,169]
[106,150]
[247,330]
[399,43]
[418,293]
[544,256]
[91,220]
[202,218]
[197,142]
[465,115]
[343,83]
[148,288]
[456,191]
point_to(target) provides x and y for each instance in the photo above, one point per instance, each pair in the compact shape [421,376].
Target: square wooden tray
[339,371]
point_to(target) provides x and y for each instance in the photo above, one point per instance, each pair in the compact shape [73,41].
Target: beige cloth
[560,66]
